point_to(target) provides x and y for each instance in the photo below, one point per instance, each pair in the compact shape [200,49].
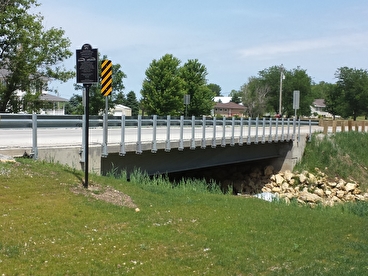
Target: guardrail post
[223,139]
[277,130]
[122,142]
[241,132]
[203,141]
[168,124]
[104,136]
[249,130]
[192,141]
[34,152]
[139,136]
[263,130]
[256,140]
[154,140]
[181,139]
[282,129]
[310,131]
[270,134]
[288,129]
[232,141]
[213,145]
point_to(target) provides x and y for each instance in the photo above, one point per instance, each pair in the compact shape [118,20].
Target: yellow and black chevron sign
[106,77]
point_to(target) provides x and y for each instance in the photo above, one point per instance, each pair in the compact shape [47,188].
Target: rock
[332,184]
[340,194]
[319,192]
[279,179]
[302,178]
[288,175]
[268,171]
[309,197]
[350,187]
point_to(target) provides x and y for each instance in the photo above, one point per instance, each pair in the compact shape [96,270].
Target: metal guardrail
[266,129]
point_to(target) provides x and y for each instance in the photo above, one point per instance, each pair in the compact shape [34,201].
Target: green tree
[163,88]
[254,97]
[236,96]
[96,99]
[132,102]
[195,84]
[216,89]
[30,56]
[351,92]
[74,106]
[296,79]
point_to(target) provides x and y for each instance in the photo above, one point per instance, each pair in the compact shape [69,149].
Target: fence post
[181,142]
[168,125]
[241,132]
[256,141]
[350,125]
[232,142]
[342,126]
[154,134]
[139,136]
[334,126]
[263,130]
[122,142]
[214,133]
[34,136]
[192,141]
[325,127]
[223,140]
[203,141]
[249,130]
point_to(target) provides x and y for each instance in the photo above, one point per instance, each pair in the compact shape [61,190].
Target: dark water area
[245,177]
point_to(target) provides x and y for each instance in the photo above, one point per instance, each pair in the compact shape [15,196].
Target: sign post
[87,74]
[106,89]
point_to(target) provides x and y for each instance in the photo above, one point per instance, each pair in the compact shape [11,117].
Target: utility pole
[282,76]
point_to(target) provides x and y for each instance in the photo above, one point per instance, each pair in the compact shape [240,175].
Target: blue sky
[234,39]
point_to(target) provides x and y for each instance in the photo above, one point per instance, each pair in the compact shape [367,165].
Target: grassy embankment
[46,229]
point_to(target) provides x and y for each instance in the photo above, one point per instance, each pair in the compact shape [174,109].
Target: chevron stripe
[106,77]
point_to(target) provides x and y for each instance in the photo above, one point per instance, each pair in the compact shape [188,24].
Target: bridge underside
[174,161]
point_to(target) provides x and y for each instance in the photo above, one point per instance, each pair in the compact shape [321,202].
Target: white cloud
[335,44]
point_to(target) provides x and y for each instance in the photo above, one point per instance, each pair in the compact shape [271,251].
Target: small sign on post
[87,73]
[87,65]
[106,77]
[296,100]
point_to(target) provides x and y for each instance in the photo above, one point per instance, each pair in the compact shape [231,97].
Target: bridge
[154,144]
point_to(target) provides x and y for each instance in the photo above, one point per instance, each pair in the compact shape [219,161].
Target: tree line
[31,56]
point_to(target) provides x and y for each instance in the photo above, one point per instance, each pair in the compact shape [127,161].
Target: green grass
[46,229]
[343,155]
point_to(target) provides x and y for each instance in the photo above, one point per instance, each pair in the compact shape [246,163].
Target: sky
[234,39]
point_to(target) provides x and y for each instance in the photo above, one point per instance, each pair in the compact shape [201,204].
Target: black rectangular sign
[87,65]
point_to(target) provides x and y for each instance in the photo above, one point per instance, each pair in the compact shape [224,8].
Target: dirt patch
[107,194]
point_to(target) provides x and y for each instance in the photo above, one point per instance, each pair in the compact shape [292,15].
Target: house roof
[229,105]
[319,103]
[52,98]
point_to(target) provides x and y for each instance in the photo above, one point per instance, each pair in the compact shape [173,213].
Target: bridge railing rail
[221,131]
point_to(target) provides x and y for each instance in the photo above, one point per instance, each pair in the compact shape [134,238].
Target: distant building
[319,108]
[119,110]
[58,104]
[229,109]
